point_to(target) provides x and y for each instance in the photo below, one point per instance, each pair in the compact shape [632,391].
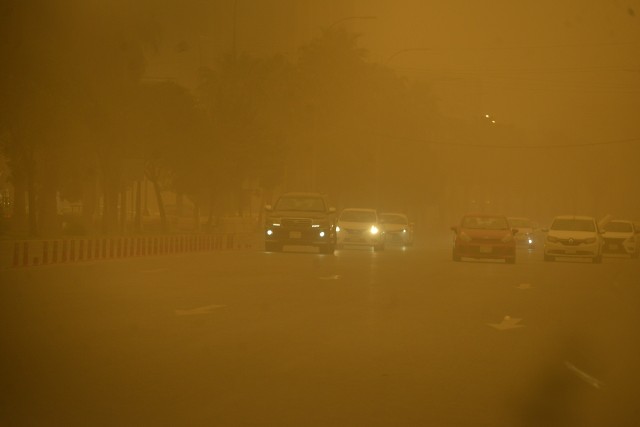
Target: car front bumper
[489,251]
[300,236]
[359,237]
[398,237]
[619,247]
[584,250]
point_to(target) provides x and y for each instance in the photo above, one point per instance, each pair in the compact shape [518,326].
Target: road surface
[404,337]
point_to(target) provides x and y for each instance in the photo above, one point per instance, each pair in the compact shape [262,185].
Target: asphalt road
[395,338]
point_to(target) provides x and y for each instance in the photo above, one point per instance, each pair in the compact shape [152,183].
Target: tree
[248,101]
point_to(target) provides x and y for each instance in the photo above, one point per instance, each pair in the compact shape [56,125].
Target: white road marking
[200,310]
[584,376]
[524,286]
[507,323]
[157,270]
[334,277]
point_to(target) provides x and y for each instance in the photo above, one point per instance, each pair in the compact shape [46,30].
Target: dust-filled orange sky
[568,67]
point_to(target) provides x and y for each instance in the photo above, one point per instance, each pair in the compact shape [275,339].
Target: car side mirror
[514,231]
[544,230]
[268,208]
[332,210]
[454,229]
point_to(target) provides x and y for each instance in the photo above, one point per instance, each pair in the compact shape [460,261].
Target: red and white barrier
[29,253]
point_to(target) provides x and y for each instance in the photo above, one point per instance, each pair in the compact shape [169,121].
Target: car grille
[486,241]
[572,242]
[614,246]
[354,232]
[296,222]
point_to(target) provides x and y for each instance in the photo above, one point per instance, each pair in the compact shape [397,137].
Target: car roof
[575,217]
[360,209]
[519,217]
[483,214]
[302,194]
[393,213]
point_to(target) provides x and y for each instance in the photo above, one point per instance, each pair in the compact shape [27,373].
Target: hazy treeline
[79,119]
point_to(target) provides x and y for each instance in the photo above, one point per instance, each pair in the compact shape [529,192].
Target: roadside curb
[40,252]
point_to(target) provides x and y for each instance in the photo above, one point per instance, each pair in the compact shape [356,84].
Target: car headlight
[552,239]
[507,238]
[404,230]
[337,228]
[464,236]
[590,240]
[374,229]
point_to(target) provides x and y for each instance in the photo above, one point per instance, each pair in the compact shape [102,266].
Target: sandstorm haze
[166,257]
[429,107]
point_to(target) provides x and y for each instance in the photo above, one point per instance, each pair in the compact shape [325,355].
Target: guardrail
[31,253]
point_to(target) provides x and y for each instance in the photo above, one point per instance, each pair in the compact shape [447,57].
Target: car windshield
[358,216]
[572,224]
[306,204]
[394,219]
[485,222]
[520,223]
[618,226]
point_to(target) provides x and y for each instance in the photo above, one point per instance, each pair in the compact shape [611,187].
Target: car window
[394,219]
[616,226]
[358,216]
[306,204]
[522,223]
[571,224]
[485,222]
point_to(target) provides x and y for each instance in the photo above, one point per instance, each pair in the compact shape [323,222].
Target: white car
[360,227]
[526,235]
[575,237]
[397,228]
[621,238]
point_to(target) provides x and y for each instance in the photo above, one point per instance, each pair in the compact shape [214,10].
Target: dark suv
[300,219]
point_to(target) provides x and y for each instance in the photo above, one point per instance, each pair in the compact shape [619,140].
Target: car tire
[549,258]
[510,260]
[272,247]
[597,259]
[327,249]
[456,257]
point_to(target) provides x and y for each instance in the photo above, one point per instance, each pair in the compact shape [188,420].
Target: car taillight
[464,236]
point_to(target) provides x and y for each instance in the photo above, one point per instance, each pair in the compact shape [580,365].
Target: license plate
[295,234]
[614,247]
[570,251]
[486,249]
